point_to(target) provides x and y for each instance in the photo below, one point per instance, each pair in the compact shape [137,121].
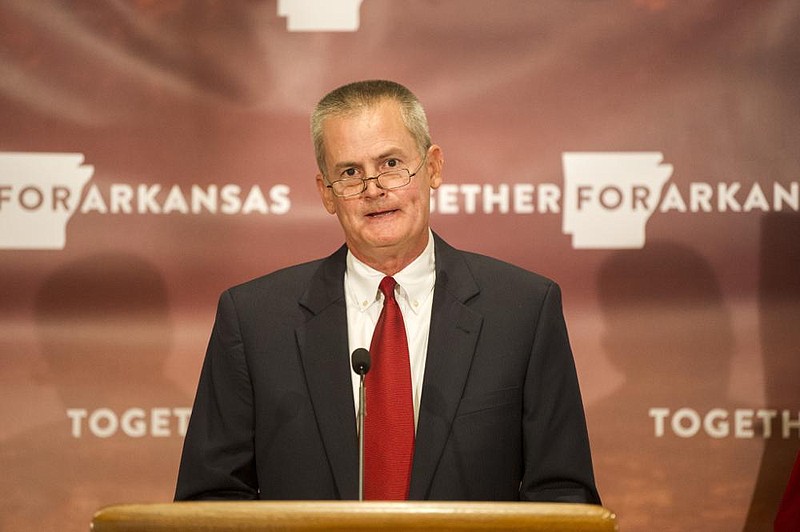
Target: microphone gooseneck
[361,362]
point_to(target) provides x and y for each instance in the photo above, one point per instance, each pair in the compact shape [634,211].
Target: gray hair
[363,95]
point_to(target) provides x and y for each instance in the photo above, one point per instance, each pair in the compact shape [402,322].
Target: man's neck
[387,264]
[389,260]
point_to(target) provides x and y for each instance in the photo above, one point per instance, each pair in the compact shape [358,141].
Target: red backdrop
[641,153]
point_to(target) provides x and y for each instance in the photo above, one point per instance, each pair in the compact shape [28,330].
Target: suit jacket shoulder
[472,273]
[313,284]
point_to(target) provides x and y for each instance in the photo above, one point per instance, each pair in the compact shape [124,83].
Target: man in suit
[497,413]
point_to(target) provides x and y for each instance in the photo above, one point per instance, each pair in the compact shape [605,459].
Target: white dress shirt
[414,294]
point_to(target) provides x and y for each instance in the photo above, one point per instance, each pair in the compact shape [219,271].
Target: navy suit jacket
[500,417]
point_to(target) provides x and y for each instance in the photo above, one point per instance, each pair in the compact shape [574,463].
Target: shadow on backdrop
[104,329]
[666,328]
[779,314]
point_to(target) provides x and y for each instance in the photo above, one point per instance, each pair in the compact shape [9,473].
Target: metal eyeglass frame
[377,179]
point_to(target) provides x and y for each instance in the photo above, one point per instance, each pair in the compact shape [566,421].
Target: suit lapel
[322,342]
[451,345]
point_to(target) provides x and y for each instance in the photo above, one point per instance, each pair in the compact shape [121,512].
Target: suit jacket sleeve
[558,464]
[218,457]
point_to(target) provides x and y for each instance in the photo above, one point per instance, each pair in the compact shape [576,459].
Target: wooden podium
[351,515]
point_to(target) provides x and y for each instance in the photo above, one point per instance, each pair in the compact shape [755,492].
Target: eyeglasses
[390,180]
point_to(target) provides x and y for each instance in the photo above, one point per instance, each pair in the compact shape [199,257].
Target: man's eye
[392,163]
[350,172]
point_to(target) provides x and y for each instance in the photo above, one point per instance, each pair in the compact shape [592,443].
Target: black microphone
[361,362]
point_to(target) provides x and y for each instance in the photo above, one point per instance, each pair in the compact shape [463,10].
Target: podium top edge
[226,516]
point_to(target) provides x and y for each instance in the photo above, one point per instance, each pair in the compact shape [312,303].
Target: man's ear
[326,194]
[435,164]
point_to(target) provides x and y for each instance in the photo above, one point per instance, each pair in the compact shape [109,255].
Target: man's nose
[373,190]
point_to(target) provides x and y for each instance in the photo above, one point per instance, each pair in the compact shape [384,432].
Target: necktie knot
[387,287]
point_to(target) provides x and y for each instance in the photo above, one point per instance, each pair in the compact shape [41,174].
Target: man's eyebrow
[393,154]
[345,164]
[388,154]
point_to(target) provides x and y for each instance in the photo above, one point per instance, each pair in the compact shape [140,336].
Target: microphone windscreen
[361,361]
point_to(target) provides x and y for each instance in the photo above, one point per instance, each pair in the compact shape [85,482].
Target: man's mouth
[378,214]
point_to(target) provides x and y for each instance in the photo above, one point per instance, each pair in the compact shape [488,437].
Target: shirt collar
[414,282]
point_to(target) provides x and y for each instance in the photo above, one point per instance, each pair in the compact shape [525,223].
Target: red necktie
[389,423]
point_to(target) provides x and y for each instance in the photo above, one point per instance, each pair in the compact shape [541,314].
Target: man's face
[379,224]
